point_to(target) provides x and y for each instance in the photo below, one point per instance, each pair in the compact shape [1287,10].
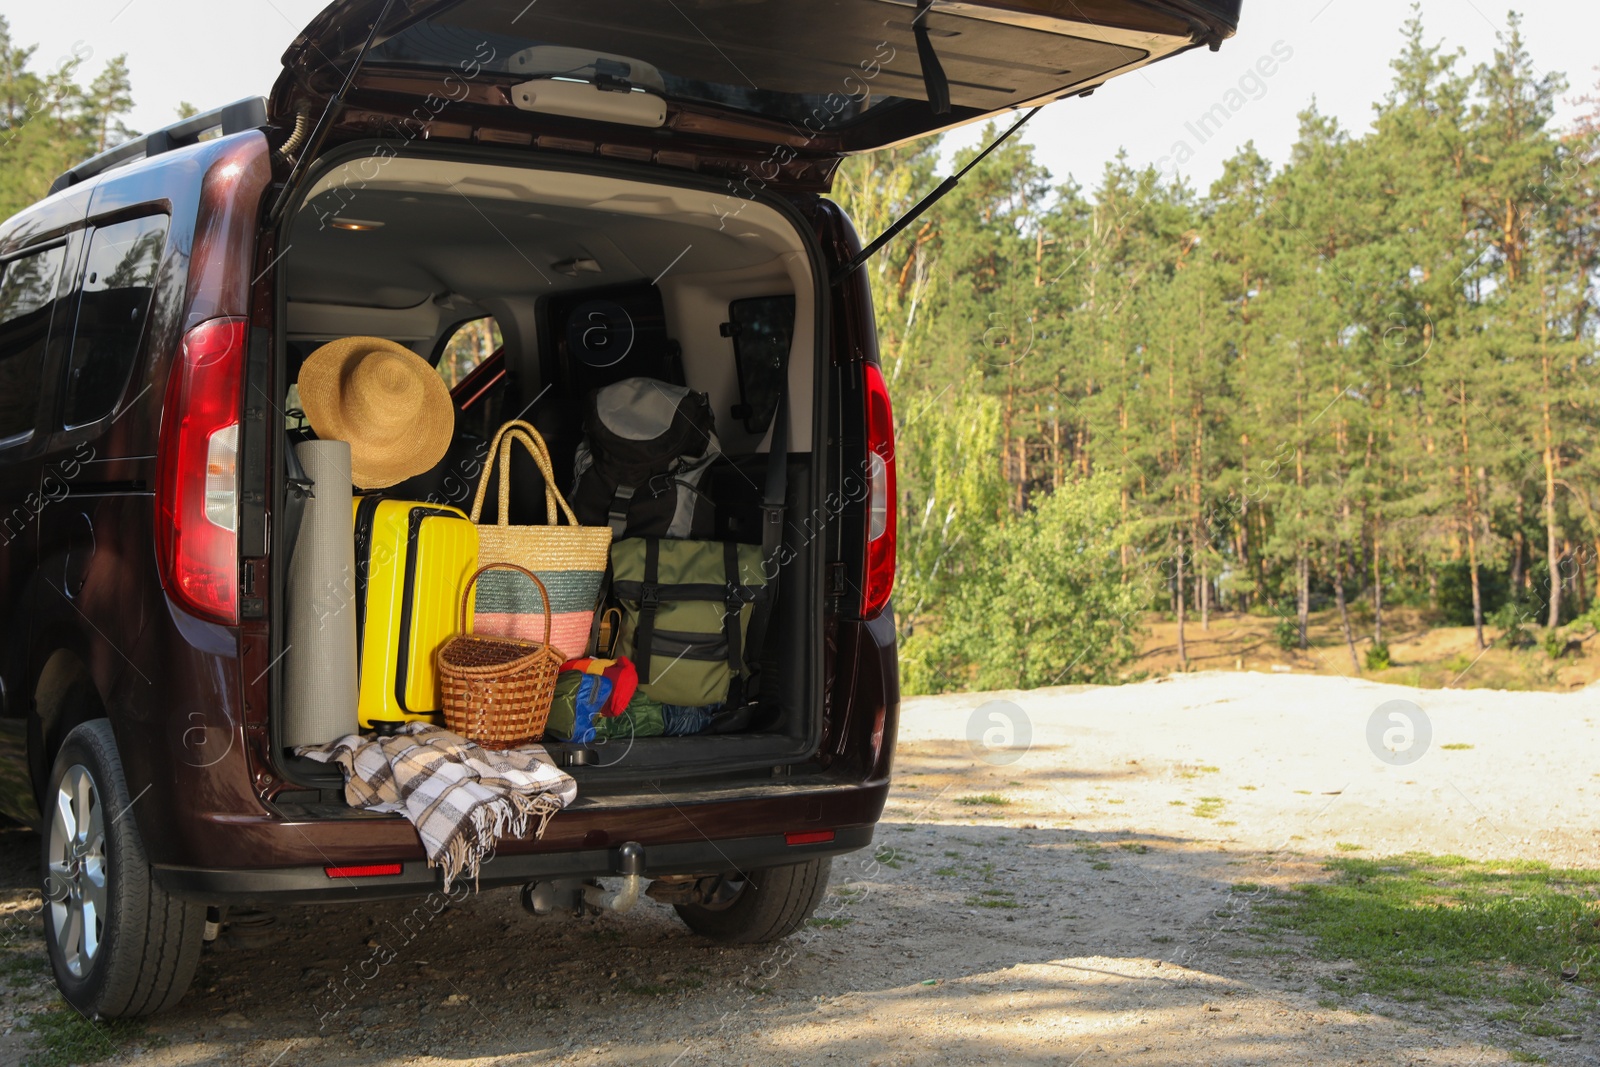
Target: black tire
[148,943]
[770,903]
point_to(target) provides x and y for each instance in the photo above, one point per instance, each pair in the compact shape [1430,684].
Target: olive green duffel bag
[686,609]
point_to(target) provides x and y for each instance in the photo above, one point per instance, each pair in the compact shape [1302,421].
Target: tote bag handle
[500,448]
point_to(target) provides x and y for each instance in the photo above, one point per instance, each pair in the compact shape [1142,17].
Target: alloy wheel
[75,882]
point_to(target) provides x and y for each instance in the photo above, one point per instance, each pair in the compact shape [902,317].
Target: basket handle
[500,448]
[466,594]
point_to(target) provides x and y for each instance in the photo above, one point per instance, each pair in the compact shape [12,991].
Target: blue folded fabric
[681,720]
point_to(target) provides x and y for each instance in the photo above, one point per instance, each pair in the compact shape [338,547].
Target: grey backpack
[646,447]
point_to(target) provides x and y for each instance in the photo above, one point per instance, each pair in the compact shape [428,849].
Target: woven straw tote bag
[569,560]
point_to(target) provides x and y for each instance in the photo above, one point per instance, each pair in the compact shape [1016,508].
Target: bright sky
[1336,51]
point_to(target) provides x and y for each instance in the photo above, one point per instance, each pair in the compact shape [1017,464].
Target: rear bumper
[306,885]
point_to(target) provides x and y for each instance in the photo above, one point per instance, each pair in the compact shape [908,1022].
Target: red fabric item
[621,673]
[624,681]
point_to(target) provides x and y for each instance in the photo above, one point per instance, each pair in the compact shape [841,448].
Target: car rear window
[27,295]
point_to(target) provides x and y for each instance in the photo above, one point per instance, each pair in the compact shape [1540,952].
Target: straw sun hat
[384,399]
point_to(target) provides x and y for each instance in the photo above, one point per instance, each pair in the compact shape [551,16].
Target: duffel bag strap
[732,611]
[649,600]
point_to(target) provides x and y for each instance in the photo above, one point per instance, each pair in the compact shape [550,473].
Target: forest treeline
[1365,377]
[49,120]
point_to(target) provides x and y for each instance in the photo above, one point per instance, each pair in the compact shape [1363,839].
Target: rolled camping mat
[319,659]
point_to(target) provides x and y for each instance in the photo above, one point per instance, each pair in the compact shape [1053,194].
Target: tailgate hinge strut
[926,202]
[329,113]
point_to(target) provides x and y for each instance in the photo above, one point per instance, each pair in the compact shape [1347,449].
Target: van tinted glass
[27,294]
[762,329]
[118,281]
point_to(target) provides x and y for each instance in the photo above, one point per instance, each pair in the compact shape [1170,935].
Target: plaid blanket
[461,798]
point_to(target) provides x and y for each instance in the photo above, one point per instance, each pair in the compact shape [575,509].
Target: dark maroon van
[422,167]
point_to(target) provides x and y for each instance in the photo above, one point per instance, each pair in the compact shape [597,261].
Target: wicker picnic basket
[496,691]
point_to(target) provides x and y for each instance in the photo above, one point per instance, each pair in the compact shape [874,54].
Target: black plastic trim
[307,885]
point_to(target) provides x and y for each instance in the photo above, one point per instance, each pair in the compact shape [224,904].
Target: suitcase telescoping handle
[500,447]
[466,594]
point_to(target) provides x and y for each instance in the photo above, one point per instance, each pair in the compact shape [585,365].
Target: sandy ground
[1094,917]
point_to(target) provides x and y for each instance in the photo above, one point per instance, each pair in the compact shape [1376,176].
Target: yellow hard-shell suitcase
[412,561]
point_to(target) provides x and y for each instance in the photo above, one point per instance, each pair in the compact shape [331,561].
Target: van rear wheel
[119,945]
[764,904]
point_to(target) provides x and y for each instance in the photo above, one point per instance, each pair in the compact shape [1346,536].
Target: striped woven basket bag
[569,559]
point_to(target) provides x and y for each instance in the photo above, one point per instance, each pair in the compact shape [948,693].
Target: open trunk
[412,247]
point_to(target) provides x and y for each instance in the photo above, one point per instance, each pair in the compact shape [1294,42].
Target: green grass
[1422,927]
[947,872]
[892,857]
[1345,846]
[1456,746]
[62,1037]
[1100,865]
[835,923]
[984,798]
[23,968]
[1208,807]
[992,902]
[1134,846]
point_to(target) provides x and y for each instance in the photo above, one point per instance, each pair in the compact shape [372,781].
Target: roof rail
[241,115]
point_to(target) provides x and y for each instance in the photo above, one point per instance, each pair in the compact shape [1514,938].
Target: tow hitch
[577,895]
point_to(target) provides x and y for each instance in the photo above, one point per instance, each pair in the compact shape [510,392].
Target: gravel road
[1054,883]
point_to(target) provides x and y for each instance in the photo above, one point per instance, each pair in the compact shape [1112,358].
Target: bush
[1288,634]
[1040,601]
[1512,618]
[1555,643]
[1589,620]
[1378,657]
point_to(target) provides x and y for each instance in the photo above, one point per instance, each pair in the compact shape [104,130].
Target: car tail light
[878,574]
[366,870]
[197,488]
[807,837]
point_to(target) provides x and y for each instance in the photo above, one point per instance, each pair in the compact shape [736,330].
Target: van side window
[27,295]
[118,282]
[471,344]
